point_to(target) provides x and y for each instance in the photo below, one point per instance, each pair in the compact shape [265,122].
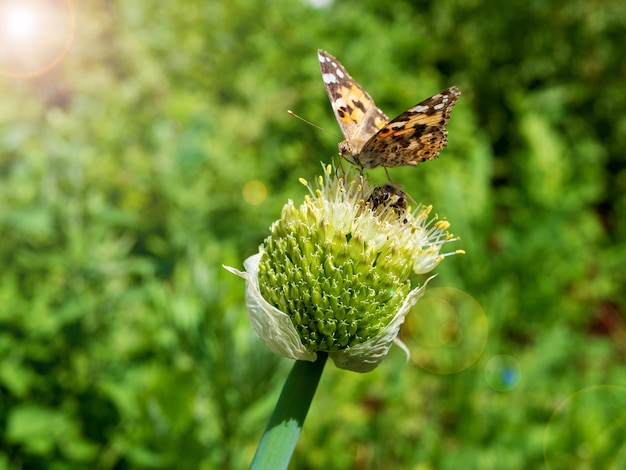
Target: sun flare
[34,35]
[19,22]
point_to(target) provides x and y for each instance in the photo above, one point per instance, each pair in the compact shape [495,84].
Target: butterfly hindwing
[415,136]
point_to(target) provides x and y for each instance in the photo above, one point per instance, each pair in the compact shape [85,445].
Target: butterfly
[371,139]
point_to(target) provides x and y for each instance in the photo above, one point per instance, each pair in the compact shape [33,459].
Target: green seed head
[335,271]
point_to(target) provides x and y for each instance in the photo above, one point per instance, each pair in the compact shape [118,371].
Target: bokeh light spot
[503,373]
[320,3]
[254,192]
[446,332]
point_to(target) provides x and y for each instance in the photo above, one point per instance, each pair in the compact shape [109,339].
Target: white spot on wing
[329,78]
[398,124]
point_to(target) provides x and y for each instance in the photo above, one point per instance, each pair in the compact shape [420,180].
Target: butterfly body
[371,139]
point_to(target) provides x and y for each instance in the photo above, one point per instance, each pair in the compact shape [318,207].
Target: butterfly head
[347,151]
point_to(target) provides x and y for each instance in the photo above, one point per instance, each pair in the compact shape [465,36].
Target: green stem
[282,431]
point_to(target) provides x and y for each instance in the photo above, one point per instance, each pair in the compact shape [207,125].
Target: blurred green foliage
[124,344]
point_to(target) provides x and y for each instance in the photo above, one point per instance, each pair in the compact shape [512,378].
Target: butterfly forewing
[355,110]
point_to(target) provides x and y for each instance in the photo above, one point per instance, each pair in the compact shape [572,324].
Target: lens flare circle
[446,332]
[587,430]
[35,36]
[503,372]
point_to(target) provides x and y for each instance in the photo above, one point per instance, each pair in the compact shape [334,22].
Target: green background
[123,342]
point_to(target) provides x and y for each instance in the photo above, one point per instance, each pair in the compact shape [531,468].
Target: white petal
[270,324]
[366,356]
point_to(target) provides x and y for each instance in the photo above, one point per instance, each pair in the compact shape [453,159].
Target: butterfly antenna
[289,111]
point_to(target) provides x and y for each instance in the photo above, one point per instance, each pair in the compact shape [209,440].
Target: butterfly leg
[387,173]
[339,171]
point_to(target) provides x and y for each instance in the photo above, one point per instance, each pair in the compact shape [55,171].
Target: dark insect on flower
[390,196]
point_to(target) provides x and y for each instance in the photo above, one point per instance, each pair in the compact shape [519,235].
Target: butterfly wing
[355,110]
[415,136]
